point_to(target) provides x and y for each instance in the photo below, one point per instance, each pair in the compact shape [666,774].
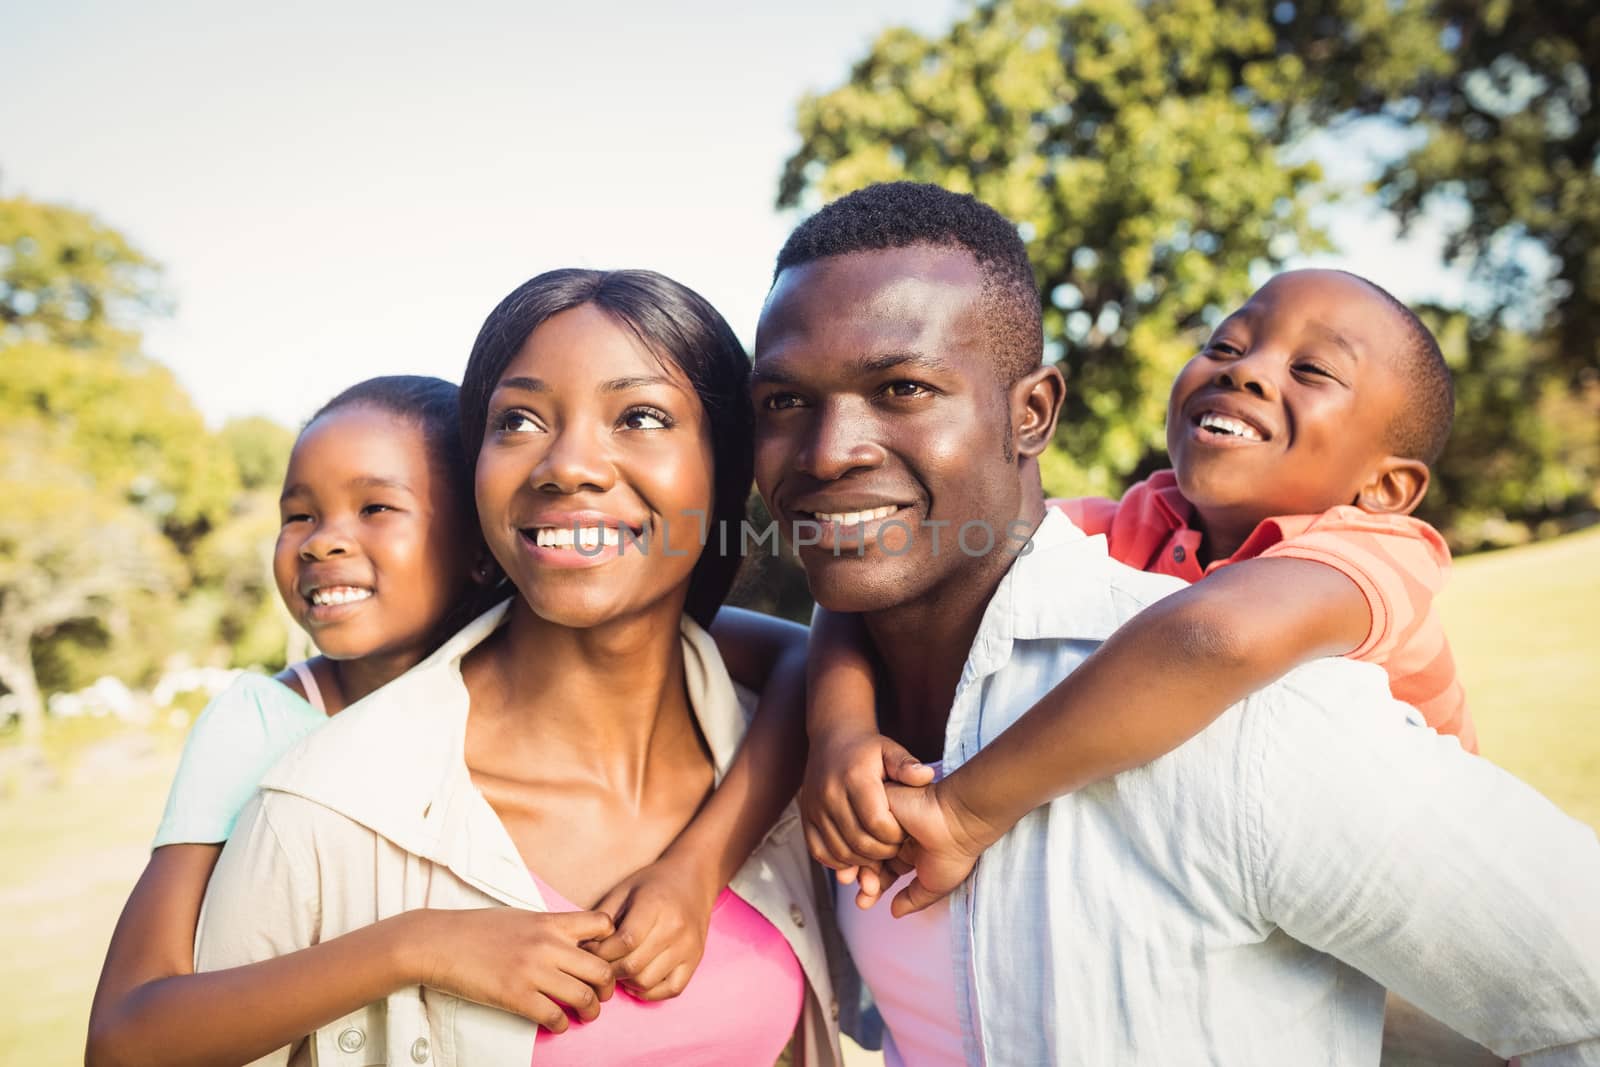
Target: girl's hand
[848,823]
[943,843]
[525,962]
[662,914]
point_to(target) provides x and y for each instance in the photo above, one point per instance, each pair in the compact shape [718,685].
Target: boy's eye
[646,418]
[1223,348]
[781,401]
[376,509]
[298,516]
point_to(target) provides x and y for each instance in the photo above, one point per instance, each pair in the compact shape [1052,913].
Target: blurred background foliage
[1162,157]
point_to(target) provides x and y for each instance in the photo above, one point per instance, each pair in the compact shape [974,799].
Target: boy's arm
[1155,683]
[847,819]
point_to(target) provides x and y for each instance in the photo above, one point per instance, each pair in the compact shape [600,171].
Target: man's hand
[662,914]
[525,962]
[848,824]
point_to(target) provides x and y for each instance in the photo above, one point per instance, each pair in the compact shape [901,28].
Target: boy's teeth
[587,537]
[339,594]
[1233,427]
[851,518]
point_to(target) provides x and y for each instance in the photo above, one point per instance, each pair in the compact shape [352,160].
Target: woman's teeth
[851,518]
[1232,427]
[582,537]
[339,594]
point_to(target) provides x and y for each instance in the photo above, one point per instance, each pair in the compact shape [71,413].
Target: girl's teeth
[585,537]
[1230,426]
[341,594]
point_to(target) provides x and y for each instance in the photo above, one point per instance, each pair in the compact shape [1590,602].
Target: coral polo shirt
[1399,564]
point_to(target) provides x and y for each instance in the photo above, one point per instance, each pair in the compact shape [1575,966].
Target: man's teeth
[339,594]
[582,537]
[851,518]
[1233,427]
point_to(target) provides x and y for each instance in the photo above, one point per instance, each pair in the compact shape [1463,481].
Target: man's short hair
[903,214]
[1422,427]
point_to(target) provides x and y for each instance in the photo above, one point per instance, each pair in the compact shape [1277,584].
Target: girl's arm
[663,911]
[152,1009]
[1155,683]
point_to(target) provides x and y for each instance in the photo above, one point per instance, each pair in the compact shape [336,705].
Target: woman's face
[594,481]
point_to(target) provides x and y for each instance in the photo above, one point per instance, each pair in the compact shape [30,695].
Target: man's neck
[923,645]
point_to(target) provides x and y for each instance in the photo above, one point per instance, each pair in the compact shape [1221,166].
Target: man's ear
[1396,487]
[1035,405]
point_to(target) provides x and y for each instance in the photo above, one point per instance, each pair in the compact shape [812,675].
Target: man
[1242,900]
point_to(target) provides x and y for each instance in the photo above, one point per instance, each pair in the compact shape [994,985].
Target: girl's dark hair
[432,405]
[676,324]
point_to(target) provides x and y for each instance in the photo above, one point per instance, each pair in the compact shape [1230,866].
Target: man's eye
[646,418]
[906,390]
[781,401]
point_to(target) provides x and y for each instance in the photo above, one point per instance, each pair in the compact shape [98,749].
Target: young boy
[1300,439]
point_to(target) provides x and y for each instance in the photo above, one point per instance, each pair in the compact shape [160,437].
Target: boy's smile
[1288,408]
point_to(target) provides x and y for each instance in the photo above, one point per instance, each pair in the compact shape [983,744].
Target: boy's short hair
[1422,427]
[903,214]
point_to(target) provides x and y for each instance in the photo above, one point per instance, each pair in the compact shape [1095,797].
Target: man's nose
[840,440]
[575,462]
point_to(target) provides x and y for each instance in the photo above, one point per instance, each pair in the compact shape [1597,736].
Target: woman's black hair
[433,406]
[675,323]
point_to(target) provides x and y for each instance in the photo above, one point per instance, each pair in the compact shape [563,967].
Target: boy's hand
[662,914]
[525,962]
[943,843]
[848,823]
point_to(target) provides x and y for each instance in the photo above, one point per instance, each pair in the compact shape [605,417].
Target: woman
[561,742]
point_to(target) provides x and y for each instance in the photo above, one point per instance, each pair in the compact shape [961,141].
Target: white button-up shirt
[376,814]
[1244,899]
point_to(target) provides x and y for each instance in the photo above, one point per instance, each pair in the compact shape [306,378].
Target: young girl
[379,559]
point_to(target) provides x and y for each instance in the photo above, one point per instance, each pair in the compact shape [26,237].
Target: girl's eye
[515,421]
[646,418]
[1222,348]
[297,517]
[376,509]
[781,401]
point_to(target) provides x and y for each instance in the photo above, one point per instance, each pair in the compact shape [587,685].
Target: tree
[1112,132]
[67,552]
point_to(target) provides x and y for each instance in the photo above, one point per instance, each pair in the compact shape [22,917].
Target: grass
[1523,623]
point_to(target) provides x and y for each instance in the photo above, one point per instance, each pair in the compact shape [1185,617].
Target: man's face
[1286,411]
[880,416]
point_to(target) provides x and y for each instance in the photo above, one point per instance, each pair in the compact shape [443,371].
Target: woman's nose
[576,461]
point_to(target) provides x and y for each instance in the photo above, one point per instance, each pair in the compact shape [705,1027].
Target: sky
[343,190]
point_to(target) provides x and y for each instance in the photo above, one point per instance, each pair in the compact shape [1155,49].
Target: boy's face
[1287,409]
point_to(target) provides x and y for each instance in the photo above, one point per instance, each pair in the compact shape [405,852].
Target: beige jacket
[375,814]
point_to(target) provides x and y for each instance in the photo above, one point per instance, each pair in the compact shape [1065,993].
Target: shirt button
[798,916]
[419,1050]
[1179,555]
[351,1040]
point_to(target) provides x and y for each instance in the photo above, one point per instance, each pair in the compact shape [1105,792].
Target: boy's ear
[1395,488]
[1035,405]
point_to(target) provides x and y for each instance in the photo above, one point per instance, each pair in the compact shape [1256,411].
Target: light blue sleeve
[236,739]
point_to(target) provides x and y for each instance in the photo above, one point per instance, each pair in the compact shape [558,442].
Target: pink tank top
[740,1008]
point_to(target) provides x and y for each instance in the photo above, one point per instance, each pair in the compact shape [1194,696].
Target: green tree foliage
[129,530]
[1153,153]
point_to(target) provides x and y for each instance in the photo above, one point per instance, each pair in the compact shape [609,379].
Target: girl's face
[595,476]
[372,553]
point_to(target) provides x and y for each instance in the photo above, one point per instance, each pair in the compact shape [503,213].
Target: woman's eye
[515,422]
[646,419]
[781,401]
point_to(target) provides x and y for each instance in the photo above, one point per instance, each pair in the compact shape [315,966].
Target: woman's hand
[662,915]
[525,962]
